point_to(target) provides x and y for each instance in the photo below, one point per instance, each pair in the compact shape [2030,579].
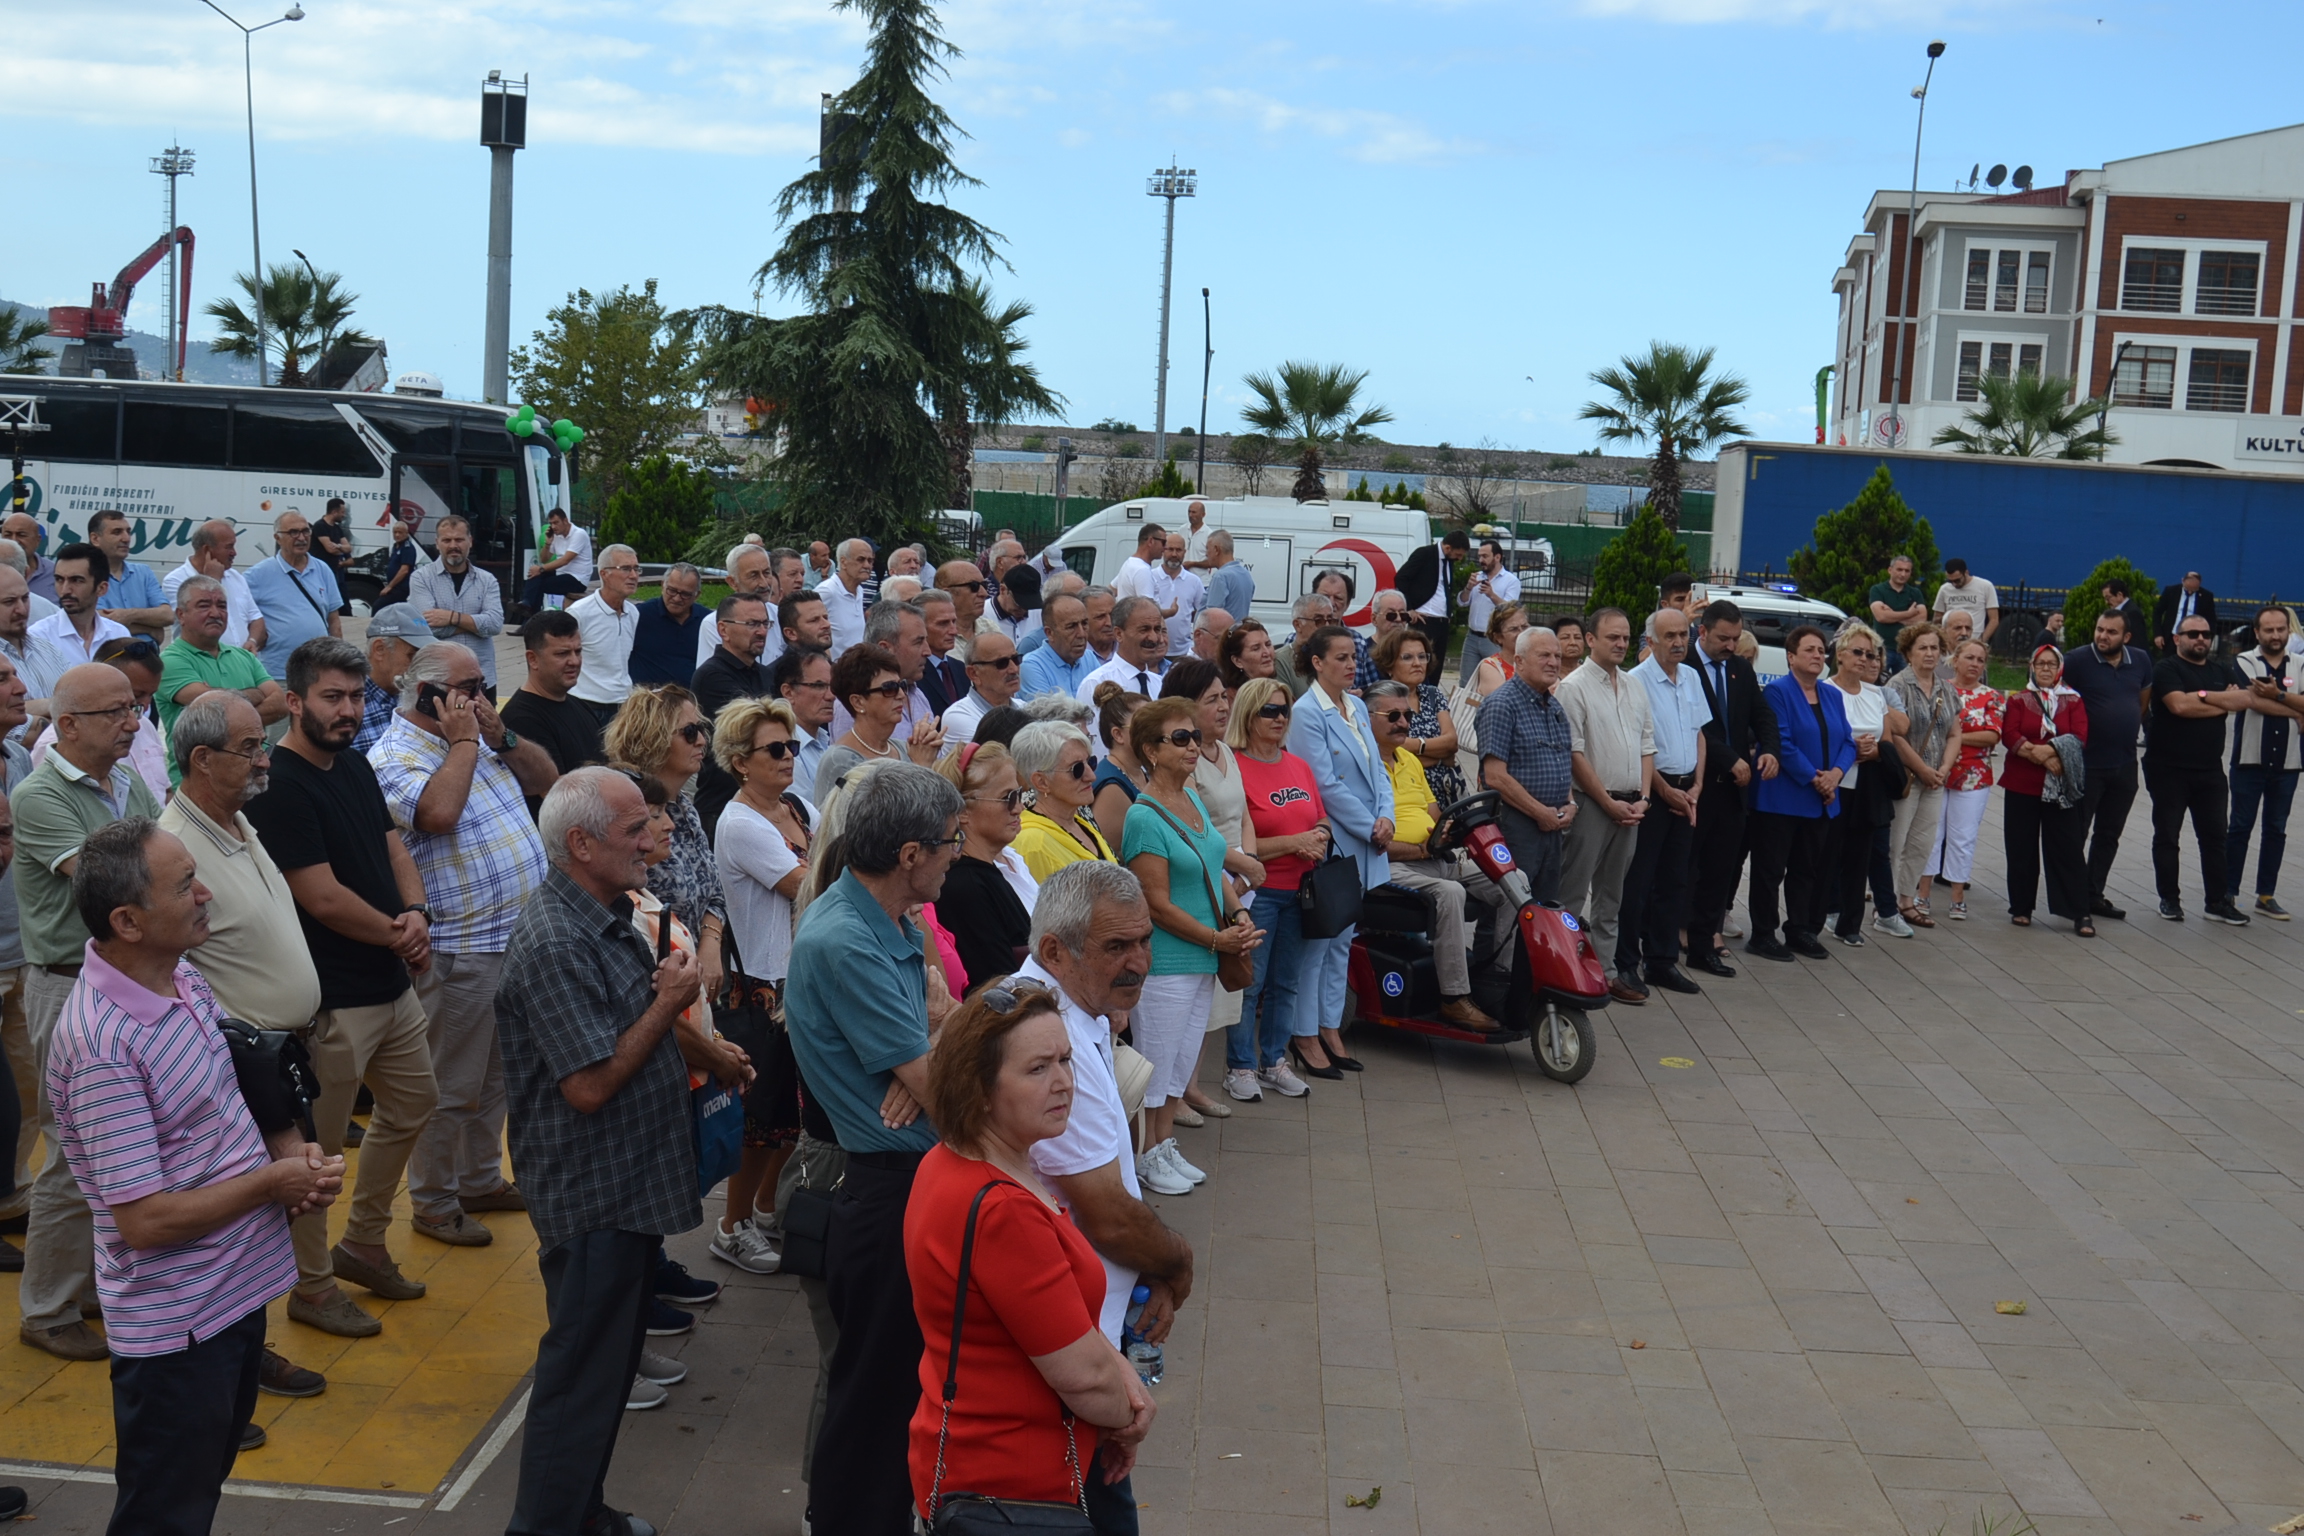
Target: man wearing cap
[1015,606]
[198,661]
[395,634]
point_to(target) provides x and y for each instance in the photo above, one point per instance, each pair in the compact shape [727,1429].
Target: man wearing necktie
[1741,742]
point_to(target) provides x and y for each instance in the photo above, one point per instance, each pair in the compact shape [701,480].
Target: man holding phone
[1491,586]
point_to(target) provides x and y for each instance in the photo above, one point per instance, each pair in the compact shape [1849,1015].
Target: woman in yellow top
[1052,761]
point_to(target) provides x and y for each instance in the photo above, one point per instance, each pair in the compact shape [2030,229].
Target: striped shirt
[147,1102]
[475,877]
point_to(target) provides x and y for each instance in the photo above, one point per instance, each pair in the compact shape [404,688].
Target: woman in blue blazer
[1792,812]
[1332,732]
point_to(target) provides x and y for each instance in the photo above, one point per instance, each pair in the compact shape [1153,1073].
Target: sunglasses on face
[977,587]
[2193,634]
[1079,769]
[1396,716]
[1182,738]
[1009,799]
[1864,652]
[891,689]
[1002,662]
[695,733]
[778,750]
[1272,712]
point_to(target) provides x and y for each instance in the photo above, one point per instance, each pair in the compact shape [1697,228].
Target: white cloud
[1379,138]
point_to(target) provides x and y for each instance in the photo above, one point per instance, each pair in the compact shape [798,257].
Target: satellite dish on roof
[1995,176]
[1974,171]
[2023,178]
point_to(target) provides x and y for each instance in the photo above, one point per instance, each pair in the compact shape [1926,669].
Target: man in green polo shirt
[198,660]
[84,783]
[1896,602]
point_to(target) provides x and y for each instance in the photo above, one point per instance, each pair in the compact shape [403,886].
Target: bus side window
[289,438]
[81,430]
[167,432]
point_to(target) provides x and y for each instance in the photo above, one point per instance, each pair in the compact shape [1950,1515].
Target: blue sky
[1477,202]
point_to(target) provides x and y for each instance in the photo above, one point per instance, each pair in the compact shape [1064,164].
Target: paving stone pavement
[1753,1294]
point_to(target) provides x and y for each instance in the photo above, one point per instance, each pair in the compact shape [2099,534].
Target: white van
[1772,611]
[1286,544]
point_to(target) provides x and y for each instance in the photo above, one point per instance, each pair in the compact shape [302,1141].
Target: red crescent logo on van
[1381,562]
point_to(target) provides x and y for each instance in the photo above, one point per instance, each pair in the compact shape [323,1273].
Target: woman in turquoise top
[1172,844]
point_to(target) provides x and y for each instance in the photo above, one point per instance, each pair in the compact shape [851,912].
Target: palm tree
[1670,398]
[303,319]
[20,329]
[1310,404]
[994,385]
[2026,416]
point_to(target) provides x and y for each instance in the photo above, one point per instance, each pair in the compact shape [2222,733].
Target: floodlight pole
[1207,361]
[1910,322]
[1170,184]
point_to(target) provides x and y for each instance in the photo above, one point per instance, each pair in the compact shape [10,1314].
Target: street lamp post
[1207,361]
[255,226]
[327,333]
[1908,323]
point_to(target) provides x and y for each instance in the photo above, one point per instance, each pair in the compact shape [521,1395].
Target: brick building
[2168,282]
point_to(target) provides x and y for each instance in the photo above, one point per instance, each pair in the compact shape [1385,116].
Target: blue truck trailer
[2042,522]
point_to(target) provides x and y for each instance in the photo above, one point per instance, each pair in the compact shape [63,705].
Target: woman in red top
[2038,830]
[1036,1377]
[1291,835]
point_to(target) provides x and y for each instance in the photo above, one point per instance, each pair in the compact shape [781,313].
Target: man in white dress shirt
[993,680]
[215,549]
[1491,587]
[608,620]
[1181,595]
[1140,660]
[82,573]
[37,661]
[844,594]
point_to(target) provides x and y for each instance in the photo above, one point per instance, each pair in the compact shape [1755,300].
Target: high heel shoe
[1337,1058]
[1331,1072]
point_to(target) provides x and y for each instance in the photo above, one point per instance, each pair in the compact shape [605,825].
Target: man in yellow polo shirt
[1448,881]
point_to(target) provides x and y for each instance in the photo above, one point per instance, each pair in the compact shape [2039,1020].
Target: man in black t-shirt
[542,711]
[2184,767]
[2114,679]
[361,904]
[731,672]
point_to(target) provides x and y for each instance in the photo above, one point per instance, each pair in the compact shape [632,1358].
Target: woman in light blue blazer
[1332,732]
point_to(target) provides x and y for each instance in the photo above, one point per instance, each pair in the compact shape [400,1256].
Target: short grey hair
[683,568]
[1309,605]
[848,544]
[1062,584]
[741,550]
[969,644]
[1649,629]
[884,619]
[205,722]
[1388,689]
[1005,547]
[1059,705]
[1527,636]
[1066,910]
[1219,540]
[1202,622]
[1125,609]
[901,803]
[113,872]
[12,555]
[1039,746]
[931,595]
[903,587]
[1095,591]
[577,803]
[433,664]
[619,549]
[192,587]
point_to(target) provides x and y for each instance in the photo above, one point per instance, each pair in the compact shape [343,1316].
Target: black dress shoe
[1672,979]
[2104,908]
[1712,963]
[13,1502]
[1805,944]
[1766,948]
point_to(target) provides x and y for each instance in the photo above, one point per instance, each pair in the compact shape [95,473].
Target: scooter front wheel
[1565,1044]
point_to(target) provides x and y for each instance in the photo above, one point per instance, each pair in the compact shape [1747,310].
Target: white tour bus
[173,456]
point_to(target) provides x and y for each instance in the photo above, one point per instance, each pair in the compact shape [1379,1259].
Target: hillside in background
[201,366]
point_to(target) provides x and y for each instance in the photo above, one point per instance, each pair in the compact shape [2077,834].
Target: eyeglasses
[1009,799]
[620,570]
[1010,993]
[778,750]
[743,623]
[471,688]
[1182,738]
[1396,716]
[1864,651]
[1002,662]
[956,842]
[694,732]
[250,756]
[114,713]
[823,687]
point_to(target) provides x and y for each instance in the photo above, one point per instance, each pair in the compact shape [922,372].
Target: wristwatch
[417,906]
[511,740]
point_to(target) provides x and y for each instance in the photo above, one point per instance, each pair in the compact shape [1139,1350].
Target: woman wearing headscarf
[2041,832]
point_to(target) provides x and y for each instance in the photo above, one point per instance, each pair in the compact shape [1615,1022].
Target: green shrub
[1034,443]
[1852,547]
[1130,449]
[1171,481]
[1398,460]
[2086,601]
[661,508]
[1632,567]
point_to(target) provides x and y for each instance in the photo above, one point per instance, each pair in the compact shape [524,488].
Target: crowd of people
[898,904]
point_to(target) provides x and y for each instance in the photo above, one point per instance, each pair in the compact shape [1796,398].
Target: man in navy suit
[1742,743]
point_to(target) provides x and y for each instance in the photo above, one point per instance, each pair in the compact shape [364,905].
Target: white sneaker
[1893,925]
[1240,1083]
[661,1369]
[1283,1081]
[644,1395]
[1176,1160]
[1731,929]
[1154,1174]
[746,1247]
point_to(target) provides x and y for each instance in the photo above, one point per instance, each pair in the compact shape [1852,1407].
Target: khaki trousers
[60,1238]
[461,1150]
[16,1040]
[385,1047]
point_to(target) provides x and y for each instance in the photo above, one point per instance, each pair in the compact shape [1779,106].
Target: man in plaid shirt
[454,777]
[1524,756]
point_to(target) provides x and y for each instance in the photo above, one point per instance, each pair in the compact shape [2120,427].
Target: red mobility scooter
[1544,997]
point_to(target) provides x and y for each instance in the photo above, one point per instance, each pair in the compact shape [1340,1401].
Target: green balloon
[522,426]
[527,413]
[562,427]
[575,435]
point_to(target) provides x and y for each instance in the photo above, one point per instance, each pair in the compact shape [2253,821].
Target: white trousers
[1955,857]
[1168,1021]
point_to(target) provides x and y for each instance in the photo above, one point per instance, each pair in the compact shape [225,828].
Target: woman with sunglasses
[658,731]
[869,680]
[1405,657]
[1856,846]
[1333,734]
[761,853]
[1173,847]
[1291,836]
[1058,773]
[2039,832]
[1119,777]
[988,895]
[138,660]
[1246,652]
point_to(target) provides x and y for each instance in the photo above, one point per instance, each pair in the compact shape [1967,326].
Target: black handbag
[1329,900]
[980,1514]
[275,1072]
[812,1217]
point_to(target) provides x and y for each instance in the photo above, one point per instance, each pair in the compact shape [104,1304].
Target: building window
[2218,381]
[1971,364]
[2003,353]
[2004,290]
[2227,283]
[1979,278]
[2147,377]
[2028,360]
[2036,284]
[2153,279]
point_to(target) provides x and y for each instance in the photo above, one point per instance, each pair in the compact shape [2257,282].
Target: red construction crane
[103,321]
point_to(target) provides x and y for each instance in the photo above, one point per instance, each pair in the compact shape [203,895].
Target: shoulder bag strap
[302,591]
[1215,902]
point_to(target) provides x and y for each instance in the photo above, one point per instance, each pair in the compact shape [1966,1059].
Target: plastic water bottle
[1148,1358]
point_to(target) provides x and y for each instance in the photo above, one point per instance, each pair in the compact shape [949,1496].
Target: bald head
[95,711]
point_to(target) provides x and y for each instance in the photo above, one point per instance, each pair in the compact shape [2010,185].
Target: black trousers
[532,591]
[1787,858]
[862,1481]
[2201,792]
[2104,808]
[1111,1506]
[596,1290]
[1654,906]
[1856,852]
[1439,631]
[177,1420]
[2041,834]
[1719,858]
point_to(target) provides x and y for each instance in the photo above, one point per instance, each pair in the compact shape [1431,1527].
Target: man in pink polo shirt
[191,1201]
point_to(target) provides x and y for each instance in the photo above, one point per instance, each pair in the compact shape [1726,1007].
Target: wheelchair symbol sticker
[1394,983]
[1568,921]
[1502,855]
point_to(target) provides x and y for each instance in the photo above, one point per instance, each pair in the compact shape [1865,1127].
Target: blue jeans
[1268,1006]
[2275,790]
[1325,983]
